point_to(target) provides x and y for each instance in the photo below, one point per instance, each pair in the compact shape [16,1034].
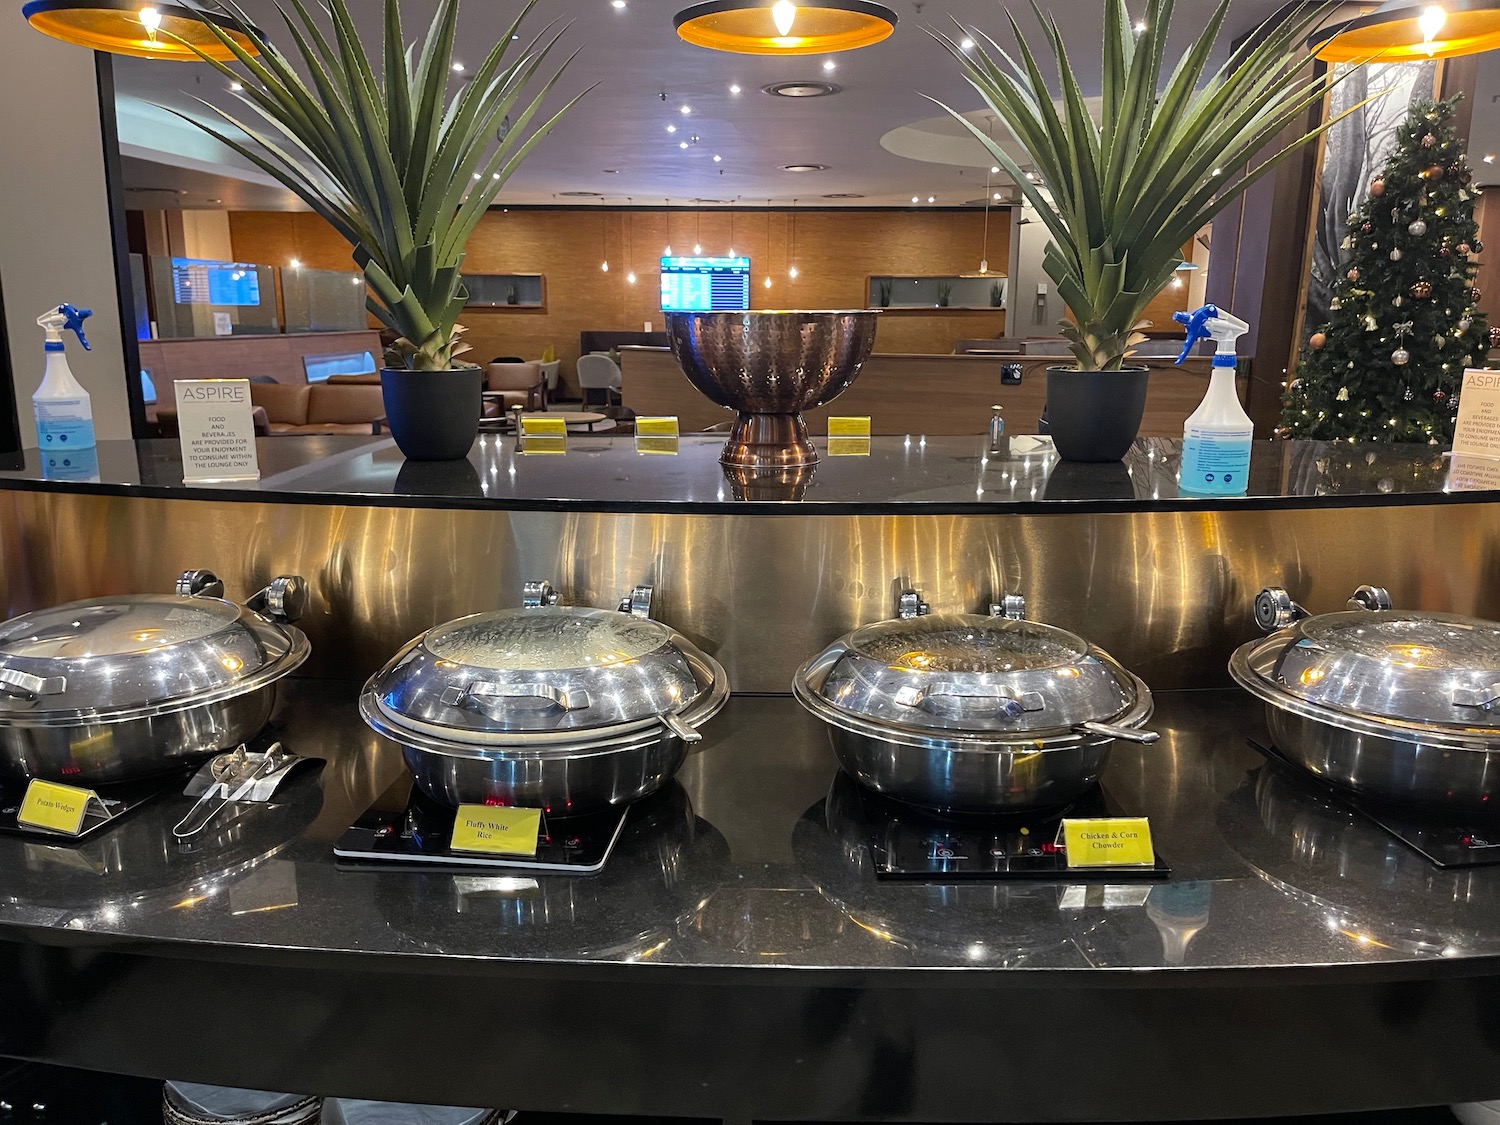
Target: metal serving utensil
[240,778]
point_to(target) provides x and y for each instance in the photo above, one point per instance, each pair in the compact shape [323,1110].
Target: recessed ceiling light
[966,45]
[682,144]
[458,68]
[734,87]
[617,3]
[1489,158]
[844,195]
[236,86]
[804,167]
[671,128]
[717,158]
[994,169]
[582,194]
[687,109]
[997,195]
[914,199]
[611,171]
[216,201]
[295,264]
[1140,26]
[494,175]
[476,175]
[808,89]
[932,199]
[828,64]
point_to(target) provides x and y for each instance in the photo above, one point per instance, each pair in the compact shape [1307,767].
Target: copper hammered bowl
[769,367]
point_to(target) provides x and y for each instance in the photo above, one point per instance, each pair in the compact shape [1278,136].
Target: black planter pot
[1095,415]
[433,415]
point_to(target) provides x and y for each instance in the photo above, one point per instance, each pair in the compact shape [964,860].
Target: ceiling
[881,137]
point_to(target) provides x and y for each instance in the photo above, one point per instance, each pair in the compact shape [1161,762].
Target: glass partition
[323,300]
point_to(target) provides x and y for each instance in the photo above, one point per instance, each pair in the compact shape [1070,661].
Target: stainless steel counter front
[732,960]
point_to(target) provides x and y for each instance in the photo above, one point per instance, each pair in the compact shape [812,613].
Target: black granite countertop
[915,474]
[737,959]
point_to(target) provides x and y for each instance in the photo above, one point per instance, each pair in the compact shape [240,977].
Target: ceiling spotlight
[617,3]
[994,169]
[1489,158]
[458,68]
[358,280]
[966,45]
[932,199]
[828,64]
[734,87]
[1140,26]
[1216,171]
[695,138]
[671,128]
[914,199]
[815,27]
[687,109]
[494,175]
[295,264]
[804,167]
[476,175]
[682,144]
[997,195]
[806,88]
[236,86]
[718,159]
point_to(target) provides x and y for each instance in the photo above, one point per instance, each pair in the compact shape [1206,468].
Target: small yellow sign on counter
[1116,841]
[539,425]
[55,807]
[663,426]
[645,443]
[498,831]
[848,427]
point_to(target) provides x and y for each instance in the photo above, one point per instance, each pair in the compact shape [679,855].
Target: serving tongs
[235,776]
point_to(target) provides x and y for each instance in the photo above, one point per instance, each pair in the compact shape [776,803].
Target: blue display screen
[198,281]
[705,284]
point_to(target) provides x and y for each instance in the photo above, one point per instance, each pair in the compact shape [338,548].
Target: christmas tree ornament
[1401,357]
[1385,484]
[1474,294]
[1416,228]
[1335,304]
[1406,395]
[1468,362]
[1439,395]
[1364,228]
[1428,141]
[1377,186]
[1443,252]
[1433,172]
[1369,459]
[1397,300]
[1317,340]
[1343,395]
[1370,324]
[1478,246]
[1348,243]
[1353,274]
[1465,324]
[1396,255]
[1440,341]
[1422,290]
[1463,247]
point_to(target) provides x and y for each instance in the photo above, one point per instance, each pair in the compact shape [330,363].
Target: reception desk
[938,395]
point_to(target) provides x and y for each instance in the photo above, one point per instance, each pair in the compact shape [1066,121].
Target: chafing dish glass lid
[544,668]
[117,657]
[1393,664]
[972,673]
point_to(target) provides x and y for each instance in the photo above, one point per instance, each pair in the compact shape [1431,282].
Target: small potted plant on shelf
[1122,192]
[997,294]
[511,298]
[375,144]
[885,294]
[945,293]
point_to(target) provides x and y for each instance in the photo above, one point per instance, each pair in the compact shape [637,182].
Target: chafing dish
[967,713]
[562,708]
[1396,704]
[131,685]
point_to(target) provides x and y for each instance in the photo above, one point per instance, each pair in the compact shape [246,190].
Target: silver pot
[555,707]
[128,686]
[1396,704]
[972,714]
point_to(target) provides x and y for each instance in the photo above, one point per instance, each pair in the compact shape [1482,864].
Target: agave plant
[380,150]
[1121,195]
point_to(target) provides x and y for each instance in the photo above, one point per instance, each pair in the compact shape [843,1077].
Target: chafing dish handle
[931,699]
[1274,609]
[1129,734]
[15,682]
[675,724]
[284,600]
[483,692]
[199,584]
[1475,697]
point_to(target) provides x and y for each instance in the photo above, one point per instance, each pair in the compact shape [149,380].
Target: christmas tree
[1388,364]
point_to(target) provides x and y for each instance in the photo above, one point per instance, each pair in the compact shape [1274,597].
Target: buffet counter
[738,957]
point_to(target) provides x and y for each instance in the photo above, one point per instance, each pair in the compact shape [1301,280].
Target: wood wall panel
[835,252]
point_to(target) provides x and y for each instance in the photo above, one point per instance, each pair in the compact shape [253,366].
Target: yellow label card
[485,828]
[664,426]
[540,424]
[648,444]
[547,443]
[848,427]
[1119,841]
[848,447]
[57,808]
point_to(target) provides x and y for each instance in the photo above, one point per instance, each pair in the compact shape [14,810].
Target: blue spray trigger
[1197,326]
[73,318]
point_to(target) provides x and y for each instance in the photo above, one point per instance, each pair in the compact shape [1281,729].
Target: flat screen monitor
[705,284]
[198,281]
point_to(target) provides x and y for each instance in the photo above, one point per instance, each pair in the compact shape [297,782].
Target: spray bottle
[1217,437]
[64,416]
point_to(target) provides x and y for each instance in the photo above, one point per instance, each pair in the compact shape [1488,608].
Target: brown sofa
[319,408]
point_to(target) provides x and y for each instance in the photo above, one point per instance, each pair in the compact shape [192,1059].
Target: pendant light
[767,282]
[629,239]
[749,27]
[666,205]
[1412,31]
[791,256]
[697,231]
[147,30]
[603,239]
[989,194]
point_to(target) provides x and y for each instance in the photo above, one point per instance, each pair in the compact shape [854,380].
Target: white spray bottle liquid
[1217,437]
[64,416]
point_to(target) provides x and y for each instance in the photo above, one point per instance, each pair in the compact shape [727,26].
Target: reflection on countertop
[912,474]
[746,863]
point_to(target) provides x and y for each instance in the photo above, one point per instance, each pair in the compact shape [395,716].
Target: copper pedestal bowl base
[769,441]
